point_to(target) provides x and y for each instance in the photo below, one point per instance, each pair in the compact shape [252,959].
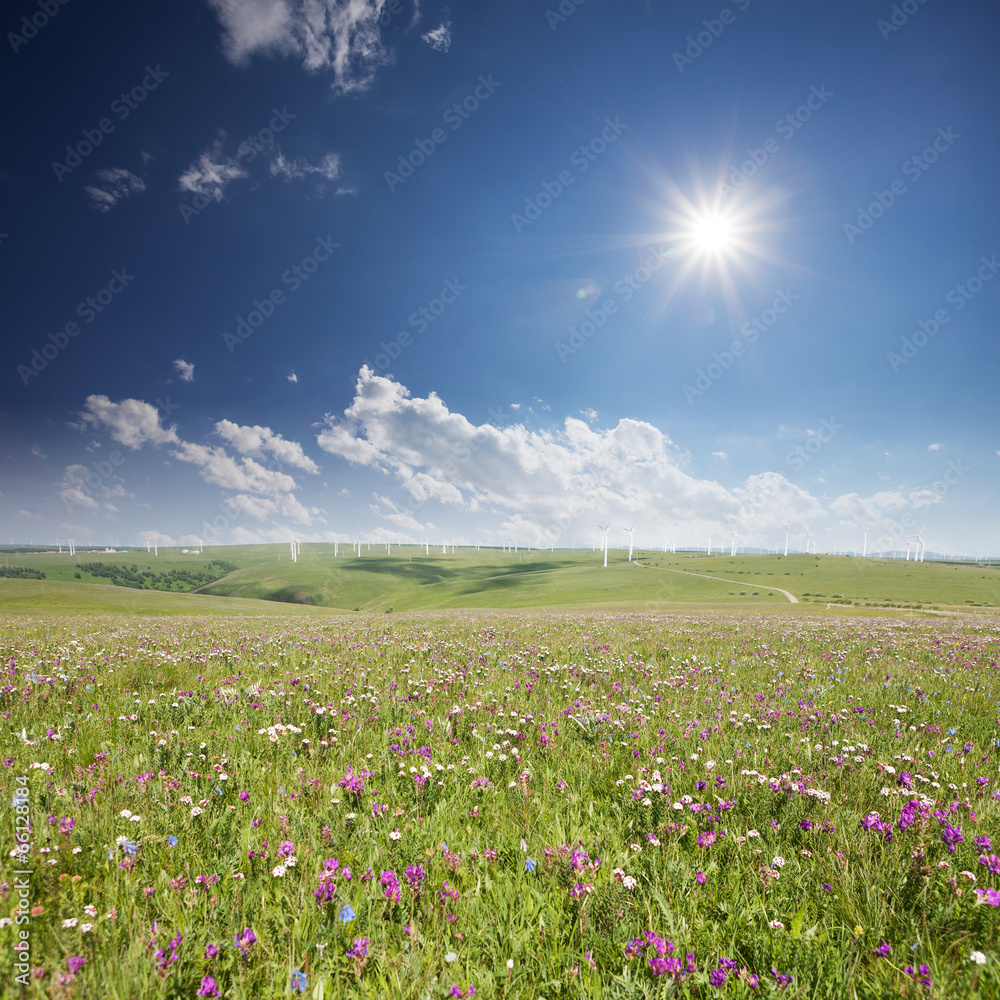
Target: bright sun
[712,233]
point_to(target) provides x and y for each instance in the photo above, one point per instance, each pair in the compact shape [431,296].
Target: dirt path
[760,586]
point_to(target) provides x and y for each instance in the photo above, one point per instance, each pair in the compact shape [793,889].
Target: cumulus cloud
[545,482]
[440,38]
[116,184]
[261,491]
[258,440]
[340,37]
[131,422]
[184,369]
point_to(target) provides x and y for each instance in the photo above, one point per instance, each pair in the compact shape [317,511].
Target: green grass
[570,579]
[683,735]
[47,597]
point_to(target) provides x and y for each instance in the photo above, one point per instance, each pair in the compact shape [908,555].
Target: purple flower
[883,950]
[359,950]
[717,977]
[244,940]
[991,861]
[700,878]
[951,835]
[208,988]
[990,896]
[75,963]
[211,951]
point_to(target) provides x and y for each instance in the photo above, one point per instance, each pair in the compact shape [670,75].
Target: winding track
[760,586]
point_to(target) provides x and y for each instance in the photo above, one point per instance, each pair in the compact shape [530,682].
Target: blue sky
[472,270]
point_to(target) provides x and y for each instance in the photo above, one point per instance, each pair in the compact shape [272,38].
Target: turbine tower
[604,530]
[630,540]
[785,523]
[732,549]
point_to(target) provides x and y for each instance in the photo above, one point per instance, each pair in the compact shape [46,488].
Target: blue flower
[346,914]
[130,847]
[530,864]
[299,981]
[172,840]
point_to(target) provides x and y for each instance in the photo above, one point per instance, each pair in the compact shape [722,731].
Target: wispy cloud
[212,172]
[341,37]
[116,184]
[328,167]
[440,38]
[184,369]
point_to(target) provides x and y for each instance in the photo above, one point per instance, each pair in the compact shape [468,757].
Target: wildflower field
[500,806]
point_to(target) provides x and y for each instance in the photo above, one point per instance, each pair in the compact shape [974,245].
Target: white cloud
[552,479]
[130,422]
[589,413]
[292,377]
[212,172]
[221,469]
[117,183]
[328,167]
[184,369]
[258,440]
[720,455]
[934,447]
[77,493]
[260,491]
[440,38]
[338,36]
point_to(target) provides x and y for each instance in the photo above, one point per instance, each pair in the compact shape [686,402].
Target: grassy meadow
[410,580]
[516,805]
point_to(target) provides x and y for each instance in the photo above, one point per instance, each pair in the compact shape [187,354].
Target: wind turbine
[785,523]
[630,540]
[808,536]
[604,529]
[515,544]
[864,548]
[908,544]
[732,549]
[920,549]
[709,544]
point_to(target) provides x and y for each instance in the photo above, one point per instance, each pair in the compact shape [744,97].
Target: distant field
[44,597]
[409,580]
